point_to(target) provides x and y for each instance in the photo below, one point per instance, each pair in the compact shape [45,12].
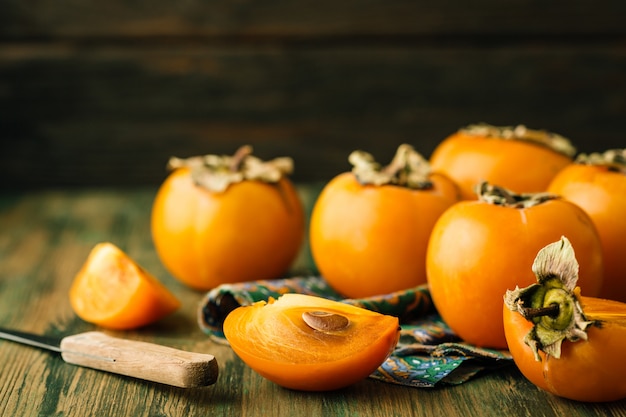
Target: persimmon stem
[239,157]
[530,313]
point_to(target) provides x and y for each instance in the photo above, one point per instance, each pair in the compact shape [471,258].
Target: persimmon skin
[274,341]
[478,250]
[113,292]
[252,230]
[591,370]
[368,240]
[601,193]
[520,166]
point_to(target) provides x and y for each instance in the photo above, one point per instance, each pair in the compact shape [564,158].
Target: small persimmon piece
[287,341]
[112,291]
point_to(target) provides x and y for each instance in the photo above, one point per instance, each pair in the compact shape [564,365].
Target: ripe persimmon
[479,249]
[219,219]
[310,343]
[112,291]
[369,228]
[569,345]
[520,159]
[597,184]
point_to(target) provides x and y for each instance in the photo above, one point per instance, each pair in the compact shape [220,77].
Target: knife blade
[142,360]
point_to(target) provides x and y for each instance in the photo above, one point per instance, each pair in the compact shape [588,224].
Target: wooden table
[45,238]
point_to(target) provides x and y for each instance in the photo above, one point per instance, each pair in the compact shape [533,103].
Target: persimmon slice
[309,343]
[112,291]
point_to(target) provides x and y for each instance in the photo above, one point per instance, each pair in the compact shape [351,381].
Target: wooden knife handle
[141,360]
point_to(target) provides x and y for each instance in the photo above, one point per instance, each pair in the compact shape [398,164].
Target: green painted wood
[46,236]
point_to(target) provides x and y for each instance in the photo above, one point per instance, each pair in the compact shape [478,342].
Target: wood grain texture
[102,94]
[277,18]
[114,116]
[46,237]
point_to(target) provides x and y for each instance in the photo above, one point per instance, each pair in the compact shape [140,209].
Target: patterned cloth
[428,354]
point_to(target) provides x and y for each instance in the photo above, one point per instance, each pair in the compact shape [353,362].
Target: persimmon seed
[324,321]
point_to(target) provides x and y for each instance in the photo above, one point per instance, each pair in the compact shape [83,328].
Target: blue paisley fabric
[428,353]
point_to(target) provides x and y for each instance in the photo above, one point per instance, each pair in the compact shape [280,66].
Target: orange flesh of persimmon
[274,340]
[112,291]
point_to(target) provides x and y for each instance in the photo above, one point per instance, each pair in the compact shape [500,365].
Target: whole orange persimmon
[310,343]
[221,219]
[479,249]
[520,159]
[369,228]
[569,345]
[597,184]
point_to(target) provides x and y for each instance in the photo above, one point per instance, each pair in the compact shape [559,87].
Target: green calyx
[407,169]
[613,159]
[217,172]
[494,194]
[544,138]
[551,304]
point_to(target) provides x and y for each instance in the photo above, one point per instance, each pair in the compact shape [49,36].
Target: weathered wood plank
[113,115]
[309,19]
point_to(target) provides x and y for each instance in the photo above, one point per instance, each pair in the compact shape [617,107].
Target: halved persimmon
[309,343]
[112,291]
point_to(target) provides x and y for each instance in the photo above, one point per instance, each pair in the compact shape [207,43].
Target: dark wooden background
[102,93]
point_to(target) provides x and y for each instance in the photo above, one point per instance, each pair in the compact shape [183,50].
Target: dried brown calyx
[501,196]
[552,303]
[324,321]
[407,169]
[550,140]
[613,159]
[217,172]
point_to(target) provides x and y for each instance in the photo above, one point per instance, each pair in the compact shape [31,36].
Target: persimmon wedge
[113,291]
[309,343]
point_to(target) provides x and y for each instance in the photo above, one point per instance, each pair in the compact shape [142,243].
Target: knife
[147,361]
